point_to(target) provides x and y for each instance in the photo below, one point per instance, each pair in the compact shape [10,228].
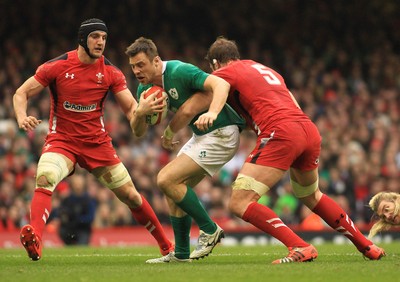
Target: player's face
[386,210]
[96,43]
[143,68]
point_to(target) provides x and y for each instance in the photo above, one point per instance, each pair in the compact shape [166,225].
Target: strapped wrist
[168,133]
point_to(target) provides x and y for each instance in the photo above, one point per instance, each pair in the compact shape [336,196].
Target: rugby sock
[40,209]
[145,215]
[266,220]
[192,206]
[182,226]
[338,219]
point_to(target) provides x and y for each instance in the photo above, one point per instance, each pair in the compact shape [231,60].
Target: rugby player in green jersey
[189,92]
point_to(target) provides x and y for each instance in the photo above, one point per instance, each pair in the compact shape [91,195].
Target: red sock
[40,209]
[337,218]
[145,216]
[265,219]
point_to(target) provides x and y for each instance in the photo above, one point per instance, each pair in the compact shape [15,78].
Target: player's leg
[52,168]
[200,156]
[181,224]
[118,180]
[176,180]
[252,182]
[305,187]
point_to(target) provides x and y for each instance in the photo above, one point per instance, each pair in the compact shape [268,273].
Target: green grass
[335,263]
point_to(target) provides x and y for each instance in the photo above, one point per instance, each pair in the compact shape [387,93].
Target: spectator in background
[76,213]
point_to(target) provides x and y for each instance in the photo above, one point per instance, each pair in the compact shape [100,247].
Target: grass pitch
[335,263]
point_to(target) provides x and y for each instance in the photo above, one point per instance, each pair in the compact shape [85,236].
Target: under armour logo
[71,76]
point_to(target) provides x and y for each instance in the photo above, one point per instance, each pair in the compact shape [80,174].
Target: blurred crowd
[340,59]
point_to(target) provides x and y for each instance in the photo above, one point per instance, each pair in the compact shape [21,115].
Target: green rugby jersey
[180,81]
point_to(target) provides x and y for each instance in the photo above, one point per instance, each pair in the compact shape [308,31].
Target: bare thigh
[174,177]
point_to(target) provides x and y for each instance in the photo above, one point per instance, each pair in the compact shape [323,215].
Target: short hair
[223,50]
[144,45]
[382,224]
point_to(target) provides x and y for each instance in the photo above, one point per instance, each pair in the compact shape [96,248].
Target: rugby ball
[156,118]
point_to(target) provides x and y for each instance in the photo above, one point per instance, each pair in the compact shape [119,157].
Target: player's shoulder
[177,65]
[55,63]
[61,59]
[109,65]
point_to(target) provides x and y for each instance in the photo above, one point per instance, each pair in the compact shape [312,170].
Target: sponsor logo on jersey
[79,108]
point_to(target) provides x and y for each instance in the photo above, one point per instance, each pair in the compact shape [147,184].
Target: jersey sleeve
[44,74]
[119,81]
[227,74]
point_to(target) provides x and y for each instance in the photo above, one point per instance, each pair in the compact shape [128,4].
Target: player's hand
[150,104]
[205,121]
[29,123]
[168,144]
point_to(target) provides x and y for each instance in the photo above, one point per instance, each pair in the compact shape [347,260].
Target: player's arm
[129,106]
[220,89]
[197,103]
[136,112]
[29,88]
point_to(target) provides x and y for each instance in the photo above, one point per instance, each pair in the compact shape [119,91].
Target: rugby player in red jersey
[287,140]
[79,81]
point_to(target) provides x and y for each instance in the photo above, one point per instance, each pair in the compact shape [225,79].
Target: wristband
[168,133]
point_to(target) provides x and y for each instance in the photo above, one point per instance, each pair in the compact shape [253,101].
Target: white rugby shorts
[213,150]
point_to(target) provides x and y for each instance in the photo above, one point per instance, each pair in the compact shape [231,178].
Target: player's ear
[156,60]
[215,64]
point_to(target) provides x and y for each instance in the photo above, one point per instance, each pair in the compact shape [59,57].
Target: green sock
[192,206]
[181,226]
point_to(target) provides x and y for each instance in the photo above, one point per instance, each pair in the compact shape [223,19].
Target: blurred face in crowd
[96,42]
[145,68]
[387,211]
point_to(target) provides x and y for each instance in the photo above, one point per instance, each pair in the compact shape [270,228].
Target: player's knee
[164,181]
[247,183]
[301,191]
[43,182]
[52,168]
[115,177]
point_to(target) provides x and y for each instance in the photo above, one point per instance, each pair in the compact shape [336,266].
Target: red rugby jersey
[78,92]
[259,94]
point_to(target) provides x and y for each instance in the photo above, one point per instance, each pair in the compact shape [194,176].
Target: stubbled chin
[97,54]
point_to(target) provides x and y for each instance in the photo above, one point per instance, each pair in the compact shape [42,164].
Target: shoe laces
[203,239]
